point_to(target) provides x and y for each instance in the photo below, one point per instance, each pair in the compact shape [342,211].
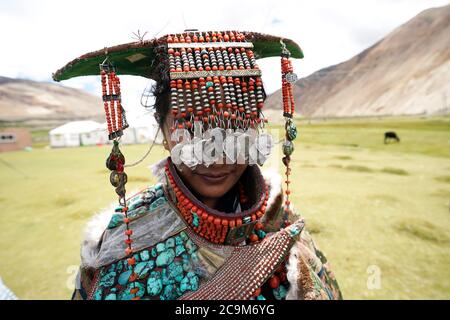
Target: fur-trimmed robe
[308,273]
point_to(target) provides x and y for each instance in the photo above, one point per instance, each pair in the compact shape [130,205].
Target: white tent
[145,128]
[142,129]
[78,133]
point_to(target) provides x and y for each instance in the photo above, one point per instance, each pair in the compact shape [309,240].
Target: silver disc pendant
[291,77]
[230,148]
[187,156]
[210,155]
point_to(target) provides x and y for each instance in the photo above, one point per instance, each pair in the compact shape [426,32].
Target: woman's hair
[161,92]
[161,89]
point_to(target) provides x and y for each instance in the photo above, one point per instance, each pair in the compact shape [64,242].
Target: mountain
[406,73]
[31,101]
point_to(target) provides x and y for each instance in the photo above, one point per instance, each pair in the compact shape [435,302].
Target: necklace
[215,226]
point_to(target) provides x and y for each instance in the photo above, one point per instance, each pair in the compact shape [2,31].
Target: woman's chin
[212,189]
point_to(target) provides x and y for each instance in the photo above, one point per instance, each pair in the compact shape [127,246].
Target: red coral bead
[133,277]
[131,261]
[253,238]
[134,290]
[274,282]
[257,292]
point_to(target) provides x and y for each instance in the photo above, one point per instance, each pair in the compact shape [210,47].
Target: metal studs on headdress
[221,76]
[215,80]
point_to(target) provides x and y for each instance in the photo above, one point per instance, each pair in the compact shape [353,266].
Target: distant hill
[406,73]
[31,101]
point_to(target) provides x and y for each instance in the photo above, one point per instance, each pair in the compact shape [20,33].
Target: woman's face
[208,182]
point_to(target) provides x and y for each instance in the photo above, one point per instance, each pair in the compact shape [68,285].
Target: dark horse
[390,135]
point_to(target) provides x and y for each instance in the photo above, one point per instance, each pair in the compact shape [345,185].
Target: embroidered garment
[172,261]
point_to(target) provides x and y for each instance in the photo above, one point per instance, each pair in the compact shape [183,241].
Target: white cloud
[39,37]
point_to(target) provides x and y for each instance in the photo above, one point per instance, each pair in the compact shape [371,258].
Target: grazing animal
[390,135]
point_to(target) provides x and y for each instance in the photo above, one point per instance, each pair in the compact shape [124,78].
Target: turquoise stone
[194,258]
[143,268]
[193,280]
[294,230]
[137,257]
[165,278]
[123,278]
[189,282]
[158,202]
[145,255]
[170,292]
[116,219]
[179,249]
[187,266]
[185,256]
[108,279]
[170,243]
[175,271]
[112,267]
[154,283]
[135,204]
[154,252]
[98,294]
[106,270]
[185,285]
[195,220]
[165,258]
[111,296]
[261,234]
[190,246]
[260,297]
[137,212]
[280,292]
[119,266]
[183,235]
[178,240]
[209,84]
[160,247]
[127,295]
[159,193]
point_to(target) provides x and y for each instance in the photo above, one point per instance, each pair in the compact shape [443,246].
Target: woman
[214,227]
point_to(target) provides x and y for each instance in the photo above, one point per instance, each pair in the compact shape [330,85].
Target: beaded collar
[216,226]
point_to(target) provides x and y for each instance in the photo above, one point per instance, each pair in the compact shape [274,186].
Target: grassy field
[379,212]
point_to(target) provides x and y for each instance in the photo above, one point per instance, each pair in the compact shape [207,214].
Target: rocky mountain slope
[25,100]
[406,73]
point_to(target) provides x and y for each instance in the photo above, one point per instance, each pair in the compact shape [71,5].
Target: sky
[39,37]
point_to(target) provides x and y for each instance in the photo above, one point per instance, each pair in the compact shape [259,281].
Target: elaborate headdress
[215,86]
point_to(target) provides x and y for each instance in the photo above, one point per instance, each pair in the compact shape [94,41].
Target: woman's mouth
[214,178]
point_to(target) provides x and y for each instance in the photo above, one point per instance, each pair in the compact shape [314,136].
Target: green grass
[428,136]
[365,203]
[396,171]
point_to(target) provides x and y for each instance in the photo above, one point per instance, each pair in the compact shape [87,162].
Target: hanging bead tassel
[116,122]
[115,114]
[288,78]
